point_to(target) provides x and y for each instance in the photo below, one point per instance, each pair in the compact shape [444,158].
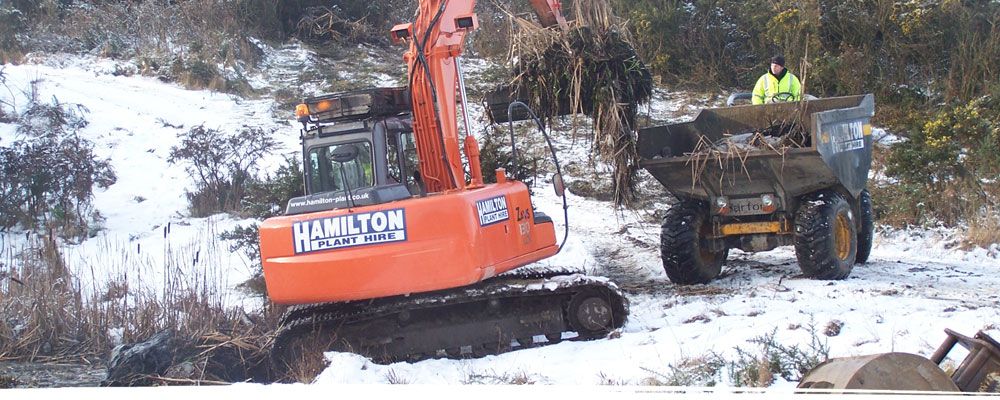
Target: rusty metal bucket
[888,371]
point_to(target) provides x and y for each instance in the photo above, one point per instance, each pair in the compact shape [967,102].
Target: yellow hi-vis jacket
[768,89]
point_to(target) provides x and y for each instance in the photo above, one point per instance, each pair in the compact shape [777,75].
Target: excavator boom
[549,13]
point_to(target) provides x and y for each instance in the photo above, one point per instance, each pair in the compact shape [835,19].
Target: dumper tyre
[826,239]
[685,259]
[867,231]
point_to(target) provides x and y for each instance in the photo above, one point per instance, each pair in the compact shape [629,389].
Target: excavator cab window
[402,160]
[328,175]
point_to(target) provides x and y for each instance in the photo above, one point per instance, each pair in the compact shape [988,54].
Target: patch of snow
[884,137]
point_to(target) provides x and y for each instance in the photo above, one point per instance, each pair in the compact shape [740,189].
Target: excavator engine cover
[887,371]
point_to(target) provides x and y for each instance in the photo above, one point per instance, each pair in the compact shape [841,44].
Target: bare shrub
[201,44]
[394,378]
[347,21]
[223,164]
[7,108]
[985,230]
[47,178]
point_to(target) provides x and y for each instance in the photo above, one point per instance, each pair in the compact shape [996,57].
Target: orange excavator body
[452,234]
[440,245]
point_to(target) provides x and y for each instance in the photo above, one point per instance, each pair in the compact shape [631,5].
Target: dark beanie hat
[778,60]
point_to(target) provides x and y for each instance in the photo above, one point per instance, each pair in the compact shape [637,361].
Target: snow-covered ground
[917,283]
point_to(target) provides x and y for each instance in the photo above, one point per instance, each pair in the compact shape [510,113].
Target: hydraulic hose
[420,44]
[552,150]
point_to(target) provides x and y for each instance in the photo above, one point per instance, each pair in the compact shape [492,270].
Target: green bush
[758,367]
[948,166]
[269,196]
[264,198]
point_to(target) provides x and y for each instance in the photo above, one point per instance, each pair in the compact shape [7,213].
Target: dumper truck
[755,177]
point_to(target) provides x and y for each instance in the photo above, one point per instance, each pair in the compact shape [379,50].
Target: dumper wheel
[685,259]
[867,232]
[826,239]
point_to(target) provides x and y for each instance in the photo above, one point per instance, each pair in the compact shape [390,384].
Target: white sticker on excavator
[492,210]
[349,230]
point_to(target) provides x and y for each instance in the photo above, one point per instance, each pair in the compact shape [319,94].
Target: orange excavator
[399,251]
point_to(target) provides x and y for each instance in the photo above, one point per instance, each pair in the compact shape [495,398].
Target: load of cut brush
[590,68]
[731,151]
[779,136]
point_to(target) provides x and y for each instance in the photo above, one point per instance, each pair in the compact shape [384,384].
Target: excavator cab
[355,157]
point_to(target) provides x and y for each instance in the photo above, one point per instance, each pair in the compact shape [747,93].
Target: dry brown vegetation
[591,69]
[55,312]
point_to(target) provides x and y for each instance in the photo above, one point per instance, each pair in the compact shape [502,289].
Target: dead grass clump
[325,23]
[239,355]
[221,356]
[508,378]
[984,231]
[704,371]
[302,359]
[42,312]
[593,69]
[8,382]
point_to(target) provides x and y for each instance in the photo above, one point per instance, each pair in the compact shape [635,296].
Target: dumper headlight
[722,204]
[767,203]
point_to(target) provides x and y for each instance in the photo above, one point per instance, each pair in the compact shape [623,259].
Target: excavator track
[504,313]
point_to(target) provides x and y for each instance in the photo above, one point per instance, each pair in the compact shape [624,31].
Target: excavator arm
[436,40]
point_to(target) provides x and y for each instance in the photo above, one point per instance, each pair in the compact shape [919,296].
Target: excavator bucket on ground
[979,371]
[888,371]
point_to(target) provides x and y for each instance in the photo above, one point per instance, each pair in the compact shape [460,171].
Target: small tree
[221,164]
